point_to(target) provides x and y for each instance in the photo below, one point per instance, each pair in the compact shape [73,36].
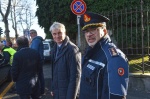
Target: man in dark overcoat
[25,70]
[66,64]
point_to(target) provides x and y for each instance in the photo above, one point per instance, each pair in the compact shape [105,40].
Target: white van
[48,45]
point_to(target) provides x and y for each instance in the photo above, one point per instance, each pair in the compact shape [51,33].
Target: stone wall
[139,82]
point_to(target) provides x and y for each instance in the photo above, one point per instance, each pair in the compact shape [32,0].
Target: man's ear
[105,31]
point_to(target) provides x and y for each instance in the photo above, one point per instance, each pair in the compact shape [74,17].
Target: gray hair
[104,25]
[57,25]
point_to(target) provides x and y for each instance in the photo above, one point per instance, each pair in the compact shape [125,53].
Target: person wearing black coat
[25,70]
[66,65]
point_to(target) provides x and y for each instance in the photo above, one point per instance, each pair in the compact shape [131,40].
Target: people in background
[25,70]
[7,53]
[37,44]
[9,43]
[104,67]
[66,64]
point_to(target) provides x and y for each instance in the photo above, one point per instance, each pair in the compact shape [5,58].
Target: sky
[35,26]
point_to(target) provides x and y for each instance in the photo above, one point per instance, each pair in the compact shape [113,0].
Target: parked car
[48,45]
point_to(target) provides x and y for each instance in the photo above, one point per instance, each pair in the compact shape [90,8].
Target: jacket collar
[63,48]
[89,52]
[21,47]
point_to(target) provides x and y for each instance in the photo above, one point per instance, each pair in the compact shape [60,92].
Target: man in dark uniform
[104,66]
[25,70]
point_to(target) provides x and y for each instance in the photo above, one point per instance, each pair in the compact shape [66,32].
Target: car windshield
[46,46]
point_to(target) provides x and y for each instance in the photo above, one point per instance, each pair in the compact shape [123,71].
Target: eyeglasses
[91,31]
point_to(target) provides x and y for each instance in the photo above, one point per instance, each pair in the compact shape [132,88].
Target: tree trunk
[7,30]
[16,33]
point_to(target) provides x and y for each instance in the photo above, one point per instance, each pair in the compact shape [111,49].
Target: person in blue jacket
[37,44]
[25,70]
[104,66]
[66,64]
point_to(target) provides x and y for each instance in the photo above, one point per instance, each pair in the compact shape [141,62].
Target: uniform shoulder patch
[113,51]
[121,71]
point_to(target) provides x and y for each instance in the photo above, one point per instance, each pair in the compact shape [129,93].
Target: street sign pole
[27,33]
[78,7]
[78,23]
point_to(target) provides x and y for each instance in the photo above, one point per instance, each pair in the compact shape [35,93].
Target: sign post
[27,33]
[78,23]
[78,7]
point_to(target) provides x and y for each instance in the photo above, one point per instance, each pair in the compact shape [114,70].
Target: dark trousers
[27,96]
[42,81]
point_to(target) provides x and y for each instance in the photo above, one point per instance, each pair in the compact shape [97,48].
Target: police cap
[90,19]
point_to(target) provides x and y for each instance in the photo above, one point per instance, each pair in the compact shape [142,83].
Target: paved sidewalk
[47,76]
[138,95]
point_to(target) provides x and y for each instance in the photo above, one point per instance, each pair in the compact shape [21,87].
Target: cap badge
[87,18]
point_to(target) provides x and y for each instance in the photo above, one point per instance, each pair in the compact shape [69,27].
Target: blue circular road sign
[78,7]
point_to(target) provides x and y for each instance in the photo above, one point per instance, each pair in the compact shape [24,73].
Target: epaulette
[113,51]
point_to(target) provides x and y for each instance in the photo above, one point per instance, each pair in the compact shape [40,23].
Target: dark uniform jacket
[66,69]
[25,69]
[104,72]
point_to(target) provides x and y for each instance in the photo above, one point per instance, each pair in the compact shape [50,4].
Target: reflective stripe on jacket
[11,52]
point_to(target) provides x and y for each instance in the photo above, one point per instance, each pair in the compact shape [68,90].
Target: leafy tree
[49,11]
[44,14]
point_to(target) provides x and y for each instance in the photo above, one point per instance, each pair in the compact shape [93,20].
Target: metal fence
[129,29]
